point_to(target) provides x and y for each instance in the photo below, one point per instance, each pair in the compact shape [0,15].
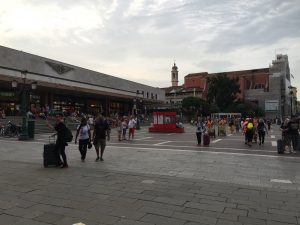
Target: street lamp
[291,94]
[24,91]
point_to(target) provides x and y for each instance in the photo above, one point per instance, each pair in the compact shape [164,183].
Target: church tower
[174,76]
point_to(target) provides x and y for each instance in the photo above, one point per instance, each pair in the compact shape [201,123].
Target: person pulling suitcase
[61,142]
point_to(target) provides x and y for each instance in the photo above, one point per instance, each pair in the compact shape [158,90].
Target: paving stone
[23,204]
[251,221]
[169,201]
[72,220]
[227,222]
[132,222]
[279,223]
[8,219]
[48,217]
[159,205]
[218,203]
[273,217]
[30,222]
[162,220]
[156,211]
[139,196]
[99,217]
[183,193]
[285,212]
[127,213]
[216,208]
[16,211]
[195,218]
[6,204]
[237,212]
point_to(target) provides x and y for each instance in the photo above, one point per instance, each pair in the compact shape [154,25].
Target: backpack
[68,135]
[260,126]
[250,126]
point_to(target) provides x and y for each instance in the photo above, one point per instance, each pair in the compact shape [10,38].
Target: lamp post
[24,90]
[291,94]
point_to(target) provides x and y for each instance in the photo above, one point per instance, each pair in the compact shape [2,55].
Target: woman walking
[261,129]
[84,132]
[199,130]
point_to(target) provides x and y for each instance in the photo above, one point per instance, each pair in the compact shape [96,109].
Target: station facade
[65,87]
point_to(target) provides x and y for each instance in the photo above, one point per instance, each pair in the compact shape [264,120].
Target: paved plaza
[155,179]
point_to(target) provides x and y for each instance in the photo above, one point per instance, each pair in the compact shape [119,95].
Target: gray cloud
[140,39]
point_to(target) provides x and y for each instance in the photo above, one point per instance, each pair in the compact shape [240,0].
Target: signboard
[271,105]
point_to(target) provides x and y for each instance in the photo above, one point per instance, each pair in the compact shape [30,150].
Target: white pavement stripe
[117,144]
[142,138]
[272,136]
[161,143]
[274,143]
[229,135]
[281,181]
[204,152]
[215,141]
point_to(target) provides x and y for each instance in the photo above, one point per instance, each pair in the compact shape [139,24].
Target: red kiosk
[165,122]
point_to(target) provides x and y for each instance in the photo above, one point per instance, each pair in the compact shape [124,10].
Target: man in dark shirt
[101,131]
[61,143]
[292,131]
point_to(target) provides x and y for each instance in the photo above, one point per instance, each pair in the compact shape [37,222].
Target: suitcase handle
[52,136]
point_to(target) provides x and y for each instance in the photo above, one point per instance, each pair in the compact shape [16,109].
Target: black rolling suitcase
[49,158]
[206,139]
[280,146]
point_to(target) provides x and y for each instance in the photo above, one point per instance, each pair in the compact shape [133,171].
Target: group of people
[123,124]
[88,135]
[85,137]
[251,128]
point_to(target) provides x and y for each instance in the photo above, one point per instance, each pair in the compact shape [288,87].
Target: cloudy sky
[140,39]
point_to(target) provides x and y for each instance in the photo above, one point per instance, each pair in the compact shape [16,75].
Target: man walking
[61,143]
[101,131]
[131,127]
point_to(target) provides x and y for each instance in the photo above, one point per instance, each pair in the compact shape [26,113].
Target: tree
[248,109]
[195,106]
[222,91]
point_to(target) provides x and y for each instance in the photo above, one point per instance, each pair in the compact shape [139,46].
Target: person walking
[119,128]
[61,142]
[200,128]
[261,129]
[286,137]
[84,132]
[131,126]
[249,132]
[101,131]
[293,132]
[124,128]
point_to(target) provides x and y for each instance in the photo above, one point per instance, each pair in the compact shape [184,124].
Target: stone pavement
[156,179]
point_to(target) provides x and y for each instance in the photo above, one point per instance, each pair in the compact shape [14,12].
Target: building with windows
[270,88]
[62,86]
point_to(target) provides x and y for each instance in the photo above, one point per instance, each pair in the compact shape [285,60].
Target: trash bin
[31,129]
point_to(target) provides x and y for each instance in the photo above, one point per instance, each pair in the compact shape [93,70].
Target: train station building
[61,86]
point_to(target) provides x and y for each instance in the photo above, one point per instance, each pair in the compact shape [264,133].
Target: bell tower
[174,76]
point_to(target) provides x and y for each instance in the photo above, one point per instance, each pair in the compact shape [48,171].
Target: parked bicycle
[10,130]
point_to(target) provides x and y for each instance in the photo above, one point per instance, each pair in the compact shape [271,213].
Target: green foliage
[248,109]
[195,106]
[222,91]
